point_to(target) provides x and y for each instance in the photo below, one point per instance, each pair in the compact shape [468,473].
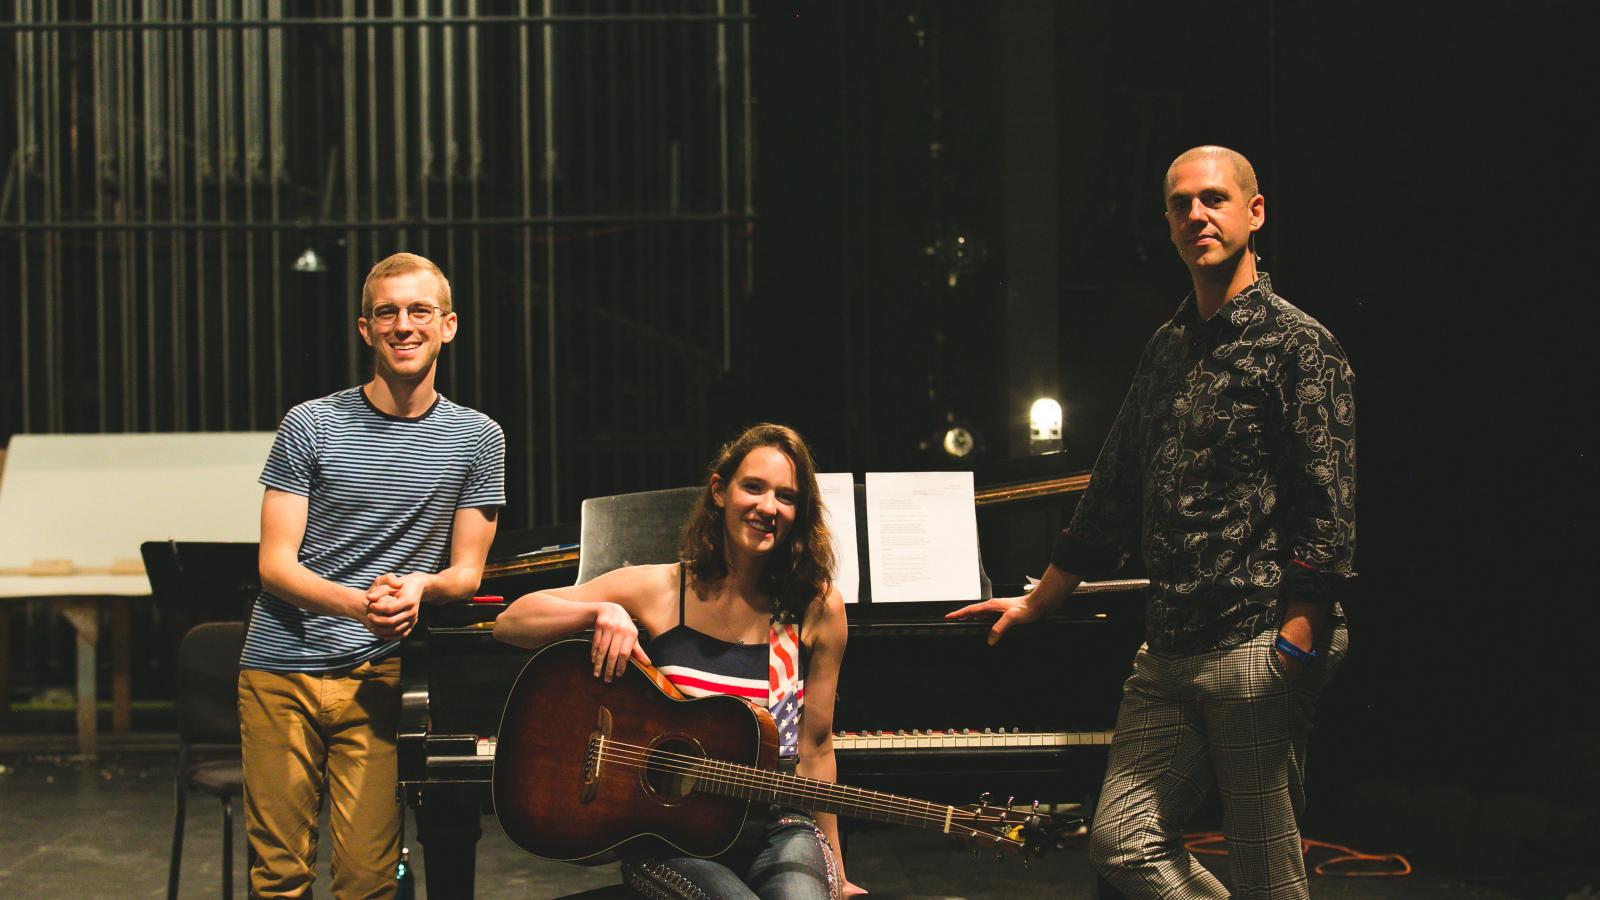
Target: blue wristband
[1293,652]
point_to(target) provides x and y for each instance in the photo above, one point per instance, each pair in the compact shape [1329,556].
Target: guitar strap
[785,687]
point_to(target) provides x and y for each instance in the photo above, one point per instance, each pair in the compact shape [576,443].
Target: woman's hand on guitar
[616,639]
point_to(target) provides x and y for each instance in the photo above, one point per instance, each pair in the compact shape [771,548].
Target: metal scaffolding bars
[580,170]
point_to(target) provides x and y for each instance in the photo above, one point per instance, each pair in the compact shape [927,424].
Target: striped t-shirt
[382,493]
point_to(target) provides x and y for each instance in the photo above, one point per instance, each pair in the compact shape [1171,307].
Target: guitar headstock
[1006,828]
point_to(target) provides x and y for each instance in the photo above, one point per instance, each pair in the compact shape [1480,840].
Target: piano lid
[1020,503]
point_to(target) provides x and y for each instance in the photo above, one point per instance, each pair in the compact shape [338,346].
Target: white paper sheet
[838,495]
[922,536]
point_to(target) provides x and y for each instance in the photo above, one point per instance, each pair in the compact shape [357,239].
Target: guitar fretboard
[762,785]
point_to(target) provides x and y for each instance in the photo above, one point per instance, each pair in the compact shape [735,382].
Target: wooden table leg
[85,618]
[5,664]
[121,681]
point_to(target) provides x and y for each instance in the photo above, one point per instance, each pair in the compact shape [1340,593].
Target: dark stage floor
[73,829]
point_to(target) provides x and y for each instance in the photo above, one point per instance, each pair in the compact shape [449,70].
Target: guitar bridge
[594,756]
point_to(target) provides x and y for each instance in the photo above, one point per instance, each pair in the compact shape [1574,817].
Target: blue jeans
[794,862]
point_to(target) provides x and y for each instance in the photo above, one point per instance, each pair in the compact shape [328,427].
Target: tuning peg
[1010,800]
[983,799]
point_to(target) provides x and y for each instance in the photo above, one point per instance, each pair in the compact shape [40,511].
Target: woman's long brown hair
[798,570]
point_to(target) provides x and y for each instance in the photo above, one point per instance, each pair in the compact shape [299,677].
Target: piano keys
[849,743]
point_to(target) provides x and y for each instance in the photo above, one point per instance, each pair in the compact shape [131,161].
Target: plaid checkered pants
[1233,718]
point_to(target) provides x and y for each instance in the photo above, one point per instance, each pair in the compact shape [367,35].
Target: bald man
[1232,463]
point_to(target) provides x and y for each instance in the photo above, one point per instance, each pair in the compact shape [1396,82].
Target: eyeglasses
[419,313]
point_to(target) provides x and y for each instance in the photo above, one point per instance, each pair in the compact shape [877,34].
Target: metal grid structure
[194,190]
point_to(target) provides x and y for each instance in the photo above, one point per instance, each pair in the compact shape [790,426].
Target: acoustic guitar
[584,767]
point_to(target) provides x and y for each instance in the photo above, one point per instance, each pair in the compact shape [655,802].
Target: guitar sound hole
[669,768]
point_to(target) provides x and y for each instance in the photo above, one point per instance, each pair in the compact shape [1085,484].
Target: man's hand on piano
[392,604]
[1012,611]
[616,639]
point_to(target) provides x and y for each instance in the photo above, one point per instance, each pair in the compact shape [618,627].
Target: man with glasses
[378,498]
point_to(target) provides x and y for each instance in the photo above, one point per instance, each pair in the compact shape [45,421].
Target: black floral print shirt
[1233,463]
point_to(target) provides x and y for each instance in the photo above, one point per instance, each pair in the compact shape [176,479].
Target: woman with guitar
[749,611]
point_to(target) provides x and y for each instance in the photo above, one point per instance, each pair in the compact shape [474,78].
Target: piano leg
[449,835]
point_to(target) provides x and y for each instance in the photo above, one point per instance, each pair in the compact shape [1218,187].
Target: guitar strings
[749,776]
[875,805]
[736,775]
[743,776]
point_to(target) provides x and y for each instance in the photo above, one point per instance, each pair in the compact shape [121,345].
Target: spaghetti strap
[682,574]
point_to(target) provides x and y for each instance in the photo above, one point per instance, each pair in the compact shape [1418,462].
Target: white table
[90,501]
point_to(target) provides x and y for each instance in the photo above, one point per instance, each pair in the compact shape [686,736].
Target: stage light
[958,441]
[309,261]
[959,251]
[1044,426]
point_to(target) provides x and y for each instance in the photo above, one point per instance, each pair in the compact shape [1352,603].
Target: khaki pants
[304,732]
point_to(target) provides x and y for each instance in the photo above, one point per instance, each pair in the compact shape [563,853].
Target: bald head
[1244,174]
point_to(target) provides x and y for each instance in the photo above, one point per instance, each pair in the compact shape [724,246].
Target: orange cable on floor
[1202,843]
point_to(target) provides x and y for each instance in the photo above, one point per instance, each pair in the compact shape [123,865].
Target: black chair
[208,730]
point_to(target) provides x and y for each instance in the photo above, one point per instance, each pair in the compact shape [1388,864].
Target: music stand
[202,581]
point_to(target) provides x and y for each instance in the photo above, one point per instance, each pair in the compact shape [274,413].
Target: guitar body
[554,801]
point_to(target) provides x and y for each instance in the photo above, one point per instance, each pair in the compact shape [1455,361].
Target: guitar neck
[749,783]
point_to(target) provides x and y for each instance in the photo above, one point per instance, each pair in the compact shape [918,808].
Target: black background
[1428,199]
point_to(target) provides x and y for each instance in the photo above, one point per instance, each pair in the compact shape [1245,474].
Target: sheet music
[922,536]
[838,493]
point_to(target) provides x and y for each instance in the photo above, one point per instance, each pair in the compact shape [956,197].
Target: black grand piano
[925,707]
